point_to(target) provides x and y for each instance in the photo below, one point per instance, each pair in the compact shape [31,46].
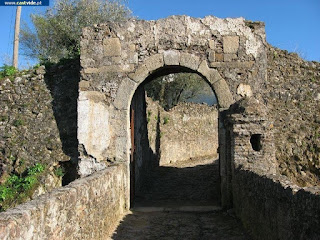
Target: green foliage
[12,158]
[18,188]
[18,122]
[174,88]
[7,71]
[3,118]
[36,66]
[59,171]
[57,32]
[165,120]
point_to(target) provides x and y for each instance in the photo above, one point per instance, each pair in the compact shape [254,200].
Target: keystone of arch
[168,58]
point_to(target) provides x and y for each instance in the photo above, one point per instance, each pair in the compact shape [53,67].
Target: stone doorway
[181,170]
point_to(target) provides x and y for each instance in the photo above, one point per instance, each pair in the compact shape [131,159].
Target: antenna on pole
[16,38]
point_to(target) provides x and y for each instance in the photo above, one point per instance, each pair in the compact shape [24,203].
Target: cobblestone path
[181,201]
[180,225]
[193,182]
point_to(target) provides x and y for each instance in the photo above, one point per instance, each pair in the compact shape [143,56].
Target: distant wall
[88,208]
[188,130]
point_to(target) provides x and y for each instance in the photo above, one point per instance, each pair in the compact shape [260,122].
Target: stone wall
[186,131]
[272,207]
[88,208]
[117,57]
[38,124]
[28,130]
[292,95]
[269,205]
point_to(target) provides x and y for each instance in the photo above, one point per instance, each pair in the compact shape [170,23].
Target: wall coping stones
[66,213]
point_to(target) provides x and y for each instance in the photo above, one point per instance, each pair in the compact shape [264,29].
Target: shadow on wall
[271,208]
[62,80]
[143,158]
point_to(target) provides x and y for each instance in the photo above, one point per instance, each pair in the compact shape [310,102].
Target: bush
[7,71]
[18,188]
[57,32]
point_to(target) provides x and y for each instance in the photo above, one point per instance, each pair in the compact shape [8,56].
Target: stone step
[176,209]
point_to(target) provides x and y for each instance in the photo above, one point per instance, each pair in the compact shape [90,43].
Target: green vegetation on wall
[19,187]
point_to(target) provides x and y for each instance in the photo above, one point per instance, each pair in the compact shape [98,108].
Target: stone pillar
[250,143]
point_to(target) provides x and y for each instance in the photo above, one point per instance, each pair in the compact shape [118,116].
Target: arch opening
[158,139]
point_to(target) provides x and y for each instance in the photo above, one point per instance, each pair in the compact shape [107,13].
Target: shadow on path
[180,202]
[180,225]
[195,182]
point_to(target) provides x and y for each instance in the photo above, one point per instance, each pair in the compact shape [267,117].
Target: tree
[57,32]
[180,87]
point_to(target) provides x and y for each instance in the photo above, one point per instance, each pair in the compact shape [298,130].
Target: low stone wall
[88,208]
[271,207]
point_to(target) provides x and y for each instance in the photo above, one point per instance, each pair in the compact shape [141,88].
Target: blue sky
[293,25]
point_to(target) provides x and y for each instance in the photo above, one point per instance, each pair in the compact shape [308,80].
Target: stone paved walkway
[194,182]
[180,225]
[192,186]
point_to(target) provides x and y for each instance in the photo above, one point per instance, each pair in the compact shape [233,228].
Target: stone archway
[173,59]
[166,63]
[117,58]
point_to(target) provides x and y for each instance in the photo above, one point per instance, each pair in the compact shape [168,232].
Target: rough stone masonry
[116,58]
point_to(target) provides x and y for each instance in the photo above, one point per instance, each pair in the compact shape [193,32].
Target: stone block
[211,56]
[111,68]
[84,85]
[230,44]
[248,64]
[219,57]
[229,57]
[93,115]
[112,47]
[211,44]
[140,74]
[171,57]
[133,57]
[124,93]
[244,90]
[224,96]
[211,74]
[132,47]
[154,62]
[116,60]
[189,61]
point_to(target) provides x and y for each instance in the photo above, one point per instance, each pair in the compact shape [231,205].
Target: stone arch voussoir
[173,58]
